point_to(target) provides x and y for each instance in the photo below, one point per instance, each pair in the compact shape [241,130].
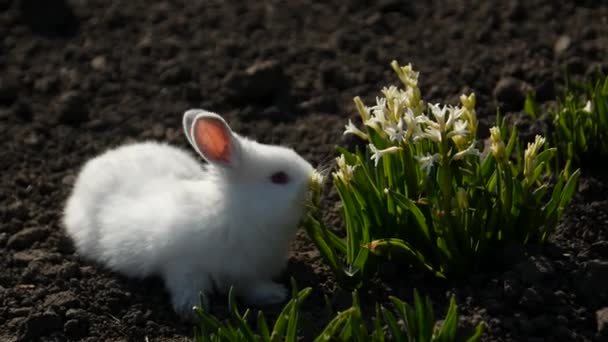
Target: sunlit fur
[153,209]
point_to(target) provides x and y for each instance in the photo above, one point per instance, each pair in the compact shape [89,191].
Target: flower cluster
[401,118]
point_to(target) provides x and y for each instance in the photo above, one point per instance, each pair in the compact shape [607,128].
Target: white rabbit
[152,209]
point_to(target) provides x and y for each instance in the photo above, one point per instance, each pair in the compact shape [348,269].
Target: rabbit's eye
[279,178]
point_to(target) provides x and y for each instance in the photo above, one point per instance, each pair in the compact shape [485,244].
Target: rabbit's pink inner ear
[213,140]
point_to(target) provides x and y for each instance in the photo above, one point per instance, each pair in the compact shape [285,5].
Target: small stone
[542,324]
[99,63]
[535,269]
[97,125]
[390,5]
[69,270]
[545,90]
[18,210]
[561,332]
[511,254]
[46,84]
[71,108]
[259,83]
[62,300]
[334,76]
[23,110]
[32,140]
[25,257]
[41,324]
[601,317]
[48,16]
[144,45]
[27,237]
[3,238]
[18,312]
[575,65]
[9,89]
[561,44]
[158,131]
[76,328]
[530,299]
[135,317]
[512,288]
[511,93]
[33,273]
[595,280]
[78,314]
[68,180]
[322,104]
[600,248]
[524,323]
[175,74]
[515,11]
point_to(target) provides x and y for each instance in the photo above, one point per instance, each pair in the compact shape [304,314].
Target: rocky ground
[80,76]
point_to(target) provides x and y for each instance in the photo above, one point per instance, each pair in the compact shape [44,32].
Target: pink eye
[279,178]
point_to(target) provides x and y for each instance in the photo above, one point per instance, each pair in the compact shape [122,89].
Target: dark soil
[78,77]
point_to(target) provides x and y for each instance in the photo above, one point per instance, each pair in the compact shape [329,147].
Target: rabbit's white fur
[152,209]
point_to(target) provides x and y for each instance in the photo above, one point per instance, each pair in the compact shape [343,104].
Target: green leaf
[263,327]
[530,105]
[477,333]
[425,318]
[410,205]
[332,328]
[391,321]
[450,323]
[568,190]
[292,323]
[318,235]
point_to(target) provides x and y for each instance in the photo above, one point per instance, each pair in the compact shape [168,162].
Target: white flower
[379,118]
[395,131]
[530,155]
[439,114]
[460,129]
[345,171]
[468,102]
[411,124]
[432,133]
[497,145]
[391,92]
[587,107]
[454,114]
[469,151]
[377,154]
[362,109]
[427,161]
[350,128]
[379,109]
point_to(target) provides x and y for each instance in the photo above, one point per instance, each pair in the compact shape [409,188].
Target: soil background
[78,77]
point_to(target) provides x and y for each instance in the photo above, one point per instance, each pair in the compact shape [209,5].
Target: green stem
[446,177]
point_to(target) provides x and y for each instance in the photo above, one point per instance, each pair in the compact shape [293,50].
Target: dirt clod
[40,324]
[71,108]
[26,237]
[54,17]
[9,89]
[511,93]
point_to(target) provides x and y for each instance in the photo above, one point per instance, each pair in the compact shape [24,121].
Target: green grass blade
[263,327]
[332,328]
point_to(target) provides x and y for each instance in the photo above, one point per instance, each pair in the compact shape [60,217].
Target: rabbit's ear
[188,120]
[213,139]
